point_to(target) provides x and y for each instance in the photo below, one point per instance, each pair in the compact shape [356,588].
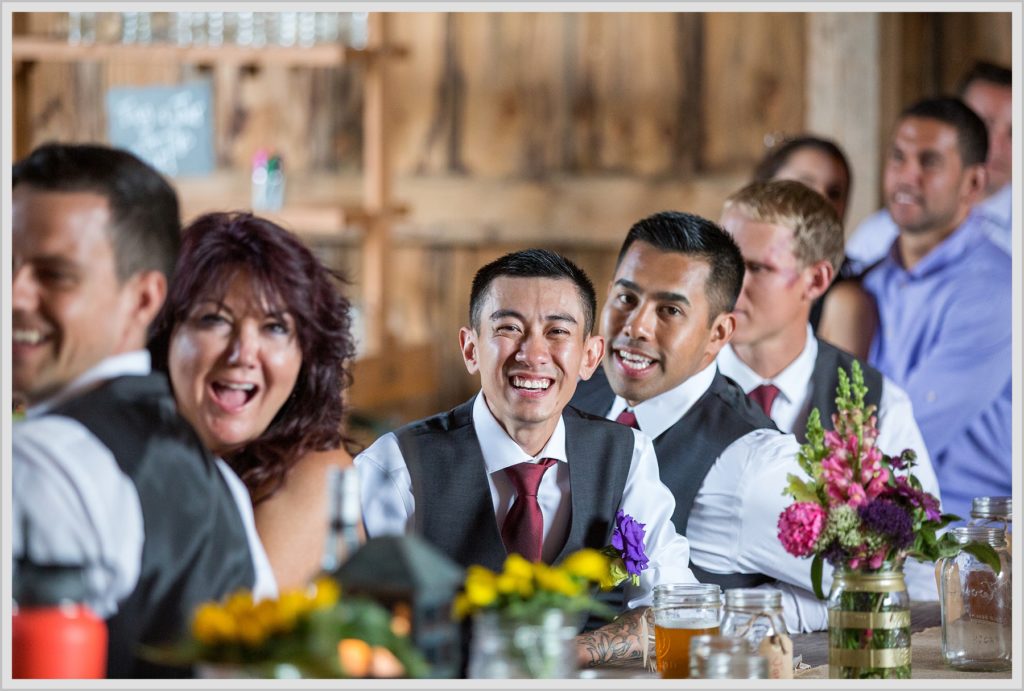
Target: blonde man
[792,244]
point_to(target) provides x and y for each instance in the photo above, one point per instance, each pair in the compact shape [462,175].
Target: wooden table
[926,648]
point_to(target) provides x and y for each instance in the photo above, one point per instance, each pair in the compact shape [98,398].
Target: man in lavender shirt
[987,90]
[944,301]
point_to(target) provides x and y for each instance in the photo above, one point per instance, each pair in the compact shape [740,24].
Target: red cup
[66,641]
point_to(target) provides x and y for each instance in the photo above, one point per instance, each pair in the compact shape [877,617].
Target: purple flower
[834,554]
[888,519]
[917,498]
[628,538]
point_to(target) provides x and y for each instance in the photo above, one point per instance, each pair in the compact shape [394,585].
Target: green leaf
[816,568]
[799,489]
[984,553]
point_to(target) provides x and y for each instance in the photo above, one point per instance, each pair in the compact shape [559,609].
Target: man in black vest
[792,242]
[515,470]
[106,476]
[667,315]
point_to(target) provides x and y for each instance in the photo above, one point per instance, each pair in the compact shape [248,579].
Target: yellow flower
[518,566]
[268,614]
[588,563]
[251,630]
[481,586]
[327,593]
[292,605]
[557,580]
[239,603]
[212,624]
[461,607]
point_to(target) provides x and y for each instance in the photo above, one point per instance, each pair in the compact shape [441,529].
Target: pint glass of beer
[682,611]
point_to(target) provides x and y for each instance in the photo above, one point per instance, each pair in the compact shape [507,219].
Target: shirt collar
[949,251]
[135,362]
[501,451]
[999,207]
[655,415]
[791,381]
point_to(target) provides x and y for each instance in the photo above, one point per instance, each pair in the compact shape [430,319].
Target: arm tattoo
[619,640]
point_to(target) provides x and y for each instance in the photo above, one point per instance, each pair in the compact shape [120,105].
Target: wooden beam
[843,97]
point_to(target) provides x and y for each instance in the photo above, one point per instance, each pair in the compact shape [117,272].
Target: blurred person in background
[987,89]
[944,298]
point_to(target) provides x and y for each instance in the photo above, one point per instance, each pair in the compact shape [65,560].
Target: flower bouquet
[307,633]
[863,512]
[526,617]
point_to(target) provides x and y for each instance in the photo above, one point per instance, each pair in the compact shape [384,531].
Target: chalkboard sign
[169,127]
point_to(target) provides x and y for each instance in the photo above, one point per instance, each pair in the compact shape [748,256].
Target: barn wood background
[511,130]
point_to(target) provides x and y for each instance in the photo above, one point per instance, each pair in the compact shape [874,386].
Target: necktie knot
[526,477]
[628,417]
[764,395]
[523,528]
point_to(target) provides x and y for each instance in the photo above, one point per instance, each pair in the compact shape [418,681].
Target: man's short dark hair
[676,231]
[533,263]
[983,71]
[145,226]
[971,134]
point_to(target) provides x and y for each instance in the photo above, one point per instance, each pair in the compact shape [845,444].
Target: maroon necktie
[523,529]
[764,396]
[627,417]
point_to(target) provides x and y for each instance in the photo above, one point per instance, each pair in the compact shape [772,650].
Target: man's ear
[975,182]
[467,342]
[722,329]
[819,277]
[593,353]
[145,293]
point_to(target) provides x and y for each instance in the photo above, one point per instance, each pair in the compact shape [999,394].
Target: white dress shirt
[897,429]
[65,479]
[389,505]
[733,522]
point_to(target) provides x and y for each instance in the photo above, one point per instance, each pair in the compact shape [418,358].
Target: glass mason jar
[869,624]
[993,512]
[680,612]
[702,648]
[755,614]
[511,648]
[977,606]
[735,666]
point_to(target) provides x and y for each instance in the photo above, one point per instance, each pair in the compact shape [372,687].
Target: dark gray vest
[454,511]
[687,450]
[824,381]
[195,545]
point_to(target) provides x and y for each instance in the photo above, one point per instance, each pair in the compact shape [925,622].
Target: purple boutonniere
[628,548]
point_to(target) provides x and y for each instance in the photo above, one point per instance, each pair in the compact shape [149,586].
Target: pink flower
[856,496]
[873,473]
[799,525]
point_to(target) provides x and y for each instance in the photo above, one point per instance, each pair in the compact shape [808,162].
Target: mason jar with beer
[682,611]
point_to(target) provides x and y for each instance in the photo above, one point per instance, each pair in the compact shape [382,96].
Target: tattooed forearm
[619,640]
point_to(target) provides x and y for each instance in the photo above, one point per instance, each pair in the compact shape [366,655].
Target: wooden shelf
[38,49]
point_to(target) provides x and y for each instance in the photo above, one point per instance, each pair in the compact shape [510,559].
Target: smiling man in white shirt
[461,479]
[105,476]
[667,316]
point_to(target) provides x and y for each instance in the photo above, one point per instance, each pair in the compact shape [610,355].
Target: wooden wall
[517,129]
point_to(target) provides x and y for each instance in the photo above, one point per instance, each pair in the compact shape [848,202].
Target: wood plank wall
[517,129]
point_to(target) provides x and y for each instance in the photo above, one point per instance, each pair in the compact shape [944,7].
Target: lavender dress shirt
[945,336]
